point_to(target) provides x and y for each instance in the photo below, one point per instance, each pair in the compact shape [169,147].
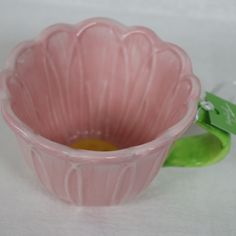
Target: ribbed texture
[103,80]
[103,183]
[99,81]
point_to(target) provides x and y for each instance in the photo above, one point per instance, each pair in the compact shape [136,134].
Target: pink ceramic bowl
[99,79]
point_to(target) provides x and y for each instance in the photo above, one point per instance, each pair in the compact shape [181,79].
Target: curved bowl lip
[61,150]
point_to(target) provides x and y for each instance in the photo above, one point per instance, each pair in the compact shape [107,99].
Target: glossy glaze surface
[98,79]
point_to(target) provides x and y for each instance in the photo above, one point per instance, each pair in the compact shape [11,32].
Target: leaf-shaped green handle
[200,150]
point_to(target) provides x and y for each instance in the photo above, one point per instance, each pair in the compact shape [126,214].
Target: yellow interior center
[93,144]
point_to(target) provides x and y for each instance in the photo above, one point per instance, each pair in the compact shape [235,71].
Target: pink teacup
[98,79]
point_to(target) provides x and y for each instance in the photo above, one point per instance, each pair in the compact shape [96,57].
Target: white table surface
[180,201]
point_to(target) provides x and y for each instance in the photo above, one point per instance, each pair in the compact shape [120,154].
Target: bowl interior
[98,83]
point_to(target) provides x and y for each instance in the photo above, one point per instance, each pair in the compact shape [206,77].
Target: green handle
[200,150]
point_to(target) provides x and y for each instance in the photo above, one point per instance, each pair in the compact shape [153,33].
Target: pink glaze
[99,79]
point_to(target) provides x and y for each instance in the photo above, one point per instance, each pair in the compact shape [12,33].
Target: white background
[180,201]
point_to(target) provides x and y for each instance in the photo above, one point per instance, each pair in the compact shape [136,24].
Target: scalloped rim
[43,143]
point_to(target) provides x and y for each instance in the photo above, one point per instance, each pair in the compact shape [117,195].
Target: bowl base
[93,144]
